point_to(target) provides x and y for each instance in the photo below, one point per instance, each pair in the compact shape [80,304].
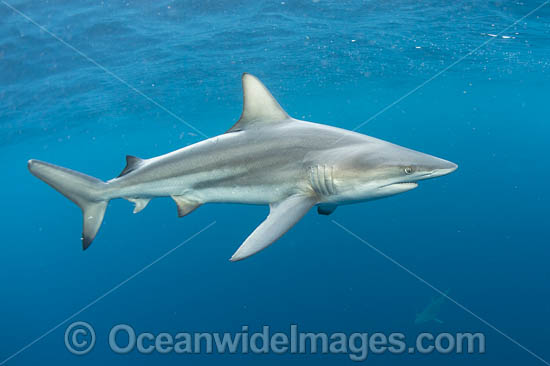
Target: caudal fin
[86,191]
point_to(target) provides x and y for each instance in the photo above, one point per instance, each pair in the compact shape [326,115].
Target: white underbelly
[258,195]
[249,194]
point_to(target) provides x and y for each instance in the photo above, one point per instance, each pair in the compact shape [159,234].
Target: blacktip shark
[266,158]
[431,312]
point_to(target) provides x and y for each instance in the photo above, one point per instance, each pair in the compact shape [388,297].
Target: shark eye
[409,170]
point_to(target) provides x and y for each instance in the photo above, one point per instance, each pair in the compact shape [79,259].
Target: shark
[432,310]
[265,158]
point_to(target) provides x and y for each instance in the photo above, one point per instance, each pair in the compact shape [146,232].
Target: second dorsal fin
[259,106]
[132,163]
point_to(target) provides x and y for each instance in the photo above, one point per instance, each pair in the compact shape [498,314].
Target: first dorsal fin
[259,106]
[132,163]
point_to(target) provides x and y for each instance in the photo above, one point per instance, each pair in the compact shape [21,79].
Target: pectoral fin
[438,320]
[282,216]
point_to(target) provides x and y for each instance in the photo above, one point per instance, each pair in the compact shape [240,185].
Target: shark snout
[442,167]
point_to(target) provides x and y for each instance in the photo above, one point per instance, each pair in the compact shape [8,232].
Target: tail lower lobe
[86,191]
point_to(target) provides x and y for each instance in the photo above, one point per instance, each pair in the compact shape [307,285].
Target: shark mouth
[395,188]
[404,185]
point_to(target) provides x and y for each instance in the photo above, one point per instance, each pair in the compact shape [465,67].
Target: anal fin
[185,206]
[140,203]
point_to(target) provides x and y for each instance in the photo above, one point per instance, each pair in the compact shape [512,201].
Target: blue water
[480,232]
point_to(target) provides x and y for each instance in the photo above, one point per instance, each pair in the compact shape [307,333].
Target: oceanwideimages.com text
[124,339]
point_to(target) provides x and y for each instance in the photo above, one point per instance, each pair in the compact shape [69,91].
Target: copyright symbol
[79,338]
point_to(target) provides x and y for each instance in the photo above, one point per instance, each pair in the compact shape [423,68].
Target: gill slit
[322,179]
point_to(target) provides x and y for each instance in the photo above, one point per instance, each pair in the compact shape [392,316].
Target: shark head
[400,169]
[380,169]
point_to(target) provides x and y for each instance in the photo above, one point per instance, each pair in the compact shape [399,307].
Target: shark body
[267,157]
